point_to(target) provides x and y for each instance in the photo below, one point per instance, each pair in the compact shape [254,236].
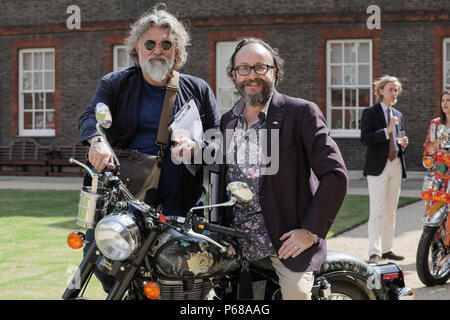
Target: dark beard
[259,98]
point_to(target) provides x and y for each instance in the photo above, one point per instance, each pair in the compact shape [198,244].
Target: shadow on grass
[67,224]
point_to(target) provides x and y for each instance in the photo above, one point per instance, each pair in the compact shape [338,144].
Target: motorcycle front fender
[437,218]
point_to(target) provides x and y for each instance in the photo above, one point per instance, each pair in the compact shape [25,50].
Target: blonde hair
[381,83]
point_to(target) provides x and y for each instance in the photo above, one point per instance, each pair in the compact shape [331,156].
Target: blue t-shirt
[170,189]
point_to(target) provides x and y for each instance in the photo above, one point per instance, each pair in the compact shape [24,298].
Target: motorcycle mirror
[240,190]
[103,115]
[433,132]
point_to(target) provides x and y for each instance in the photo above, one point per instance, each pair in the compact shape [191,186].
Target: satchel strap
[167,110]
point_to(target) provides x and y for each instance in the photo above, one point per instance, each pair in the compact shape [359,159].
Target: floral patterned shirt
[246,152]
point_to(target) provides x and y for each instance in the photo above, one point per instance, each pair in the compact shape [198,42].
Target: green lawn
[355,211]
[35,261]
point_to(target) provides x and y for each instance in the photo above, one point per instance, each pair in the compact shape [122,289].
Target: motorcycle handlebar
[200,224]
[230,231]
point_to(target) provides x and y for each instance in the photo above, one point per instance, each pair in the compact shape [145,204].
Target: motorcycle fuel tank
[177,256]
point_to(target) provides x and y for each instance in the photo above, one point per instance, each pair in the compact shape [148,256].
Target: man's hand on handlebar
[99,155]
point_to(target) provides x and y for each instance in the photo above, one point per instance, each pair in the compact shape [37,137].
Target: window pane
[336,52]
[447,72]
[336,75]
[350,97]
[50,101]
[28,101]
[364,75]
[226,94]
[350,119]
[26,81]
[28,120]
[363,52]
[49,63]
[336,97]
[50,120]
[37,57]
[448,52]
[121,58]
[364,97]
[27,61]
[39,120]
[49,80]
[350,52]
[225,99]
[349,75]
[39,101]
[37,81]
[336,119]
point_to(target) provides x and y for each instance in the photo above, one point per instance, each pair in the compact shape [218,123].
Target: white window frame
[34,132]
[116,66]
[445,65]
[223,82]
[347,133]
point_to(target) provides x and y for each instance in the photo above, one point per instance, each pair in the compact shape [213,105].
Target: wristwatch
[97,139]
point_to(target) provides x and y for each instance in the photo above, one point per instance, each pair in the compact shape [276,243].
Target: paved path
[408,225]
[40,183]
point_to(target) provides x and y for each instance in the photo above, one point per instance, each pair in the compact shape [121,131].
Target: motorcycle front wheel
[432,257]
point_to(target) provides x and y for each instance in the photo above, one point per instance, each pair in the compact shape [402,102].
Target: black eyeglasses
[260,69]
[164,45]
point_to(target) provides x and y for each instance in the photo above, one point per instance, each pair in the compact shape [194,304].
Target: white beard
[156,70]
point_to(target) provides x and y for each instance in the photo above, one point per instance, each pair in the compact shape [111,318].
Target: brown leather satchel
[140,171]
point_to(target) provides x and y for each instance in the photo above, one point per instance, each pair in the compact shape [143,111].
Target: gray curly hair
[159,17]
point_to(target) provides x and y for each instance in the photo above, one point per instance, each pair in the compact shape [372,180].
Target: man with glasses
[157,43]
[291,211]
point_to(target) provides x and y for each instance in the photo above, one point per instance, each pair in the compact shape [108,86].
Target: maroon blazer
[293,197]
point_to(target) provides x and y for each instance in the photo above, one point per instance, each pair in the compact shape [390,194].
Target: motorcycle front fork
[82,274]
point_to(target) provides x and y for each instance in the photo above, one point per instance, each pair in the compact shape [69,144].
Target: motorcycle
[151,256]
[433,251]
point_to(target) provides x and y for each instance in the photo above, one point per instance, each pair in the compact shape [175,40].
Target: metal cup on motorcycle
[427,183]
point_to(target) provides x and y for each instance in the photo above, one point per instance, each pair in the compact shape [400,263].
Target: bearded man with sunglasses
[157,43]
[292,210]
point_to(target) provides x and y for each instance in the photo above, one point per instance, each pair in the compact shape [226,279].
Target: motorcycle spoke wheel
[432,261]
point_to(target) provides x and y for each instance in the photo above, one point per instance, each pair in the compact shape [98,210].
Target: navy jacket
[311,182]
[121,91]
[373,123]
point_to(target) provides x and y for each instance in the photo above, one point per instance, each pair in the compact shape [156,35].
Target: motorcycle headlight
[117,237]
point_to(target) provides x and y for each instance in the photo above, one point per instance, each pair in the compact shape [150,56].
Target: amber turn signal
[75,240]
[152,290]
[427,162]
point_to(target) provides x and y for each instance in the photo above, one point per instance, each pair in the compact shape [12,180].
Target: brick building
[48,71]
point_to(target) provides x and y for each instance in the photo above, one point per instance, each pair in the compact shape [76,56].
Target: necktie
[392,153]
